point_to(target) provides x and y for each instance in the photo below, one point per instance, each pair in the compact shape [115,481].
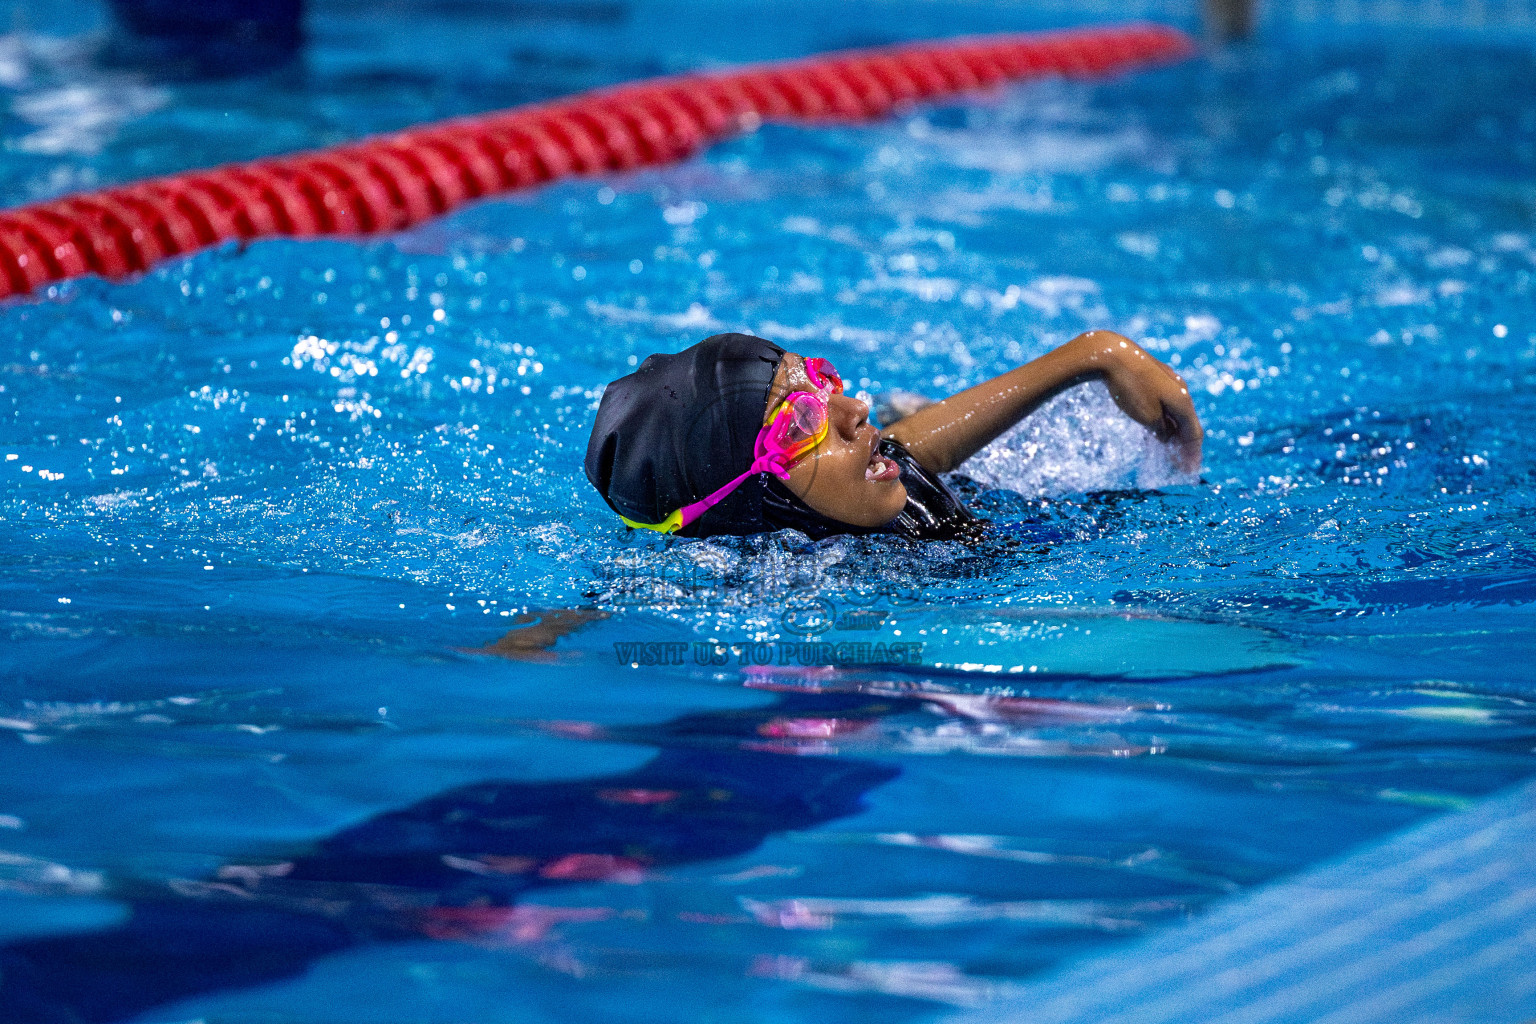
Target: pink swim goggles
[798,424]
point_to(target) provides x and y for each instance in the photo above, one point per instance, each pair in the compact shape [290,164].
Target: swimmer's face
[842,478]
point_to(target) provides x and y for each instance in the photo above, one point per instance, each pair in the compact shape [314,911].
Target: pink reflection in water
[526,923]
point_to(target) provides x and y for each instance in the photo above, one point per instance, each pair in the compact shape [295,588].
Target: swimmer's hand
[534,633]
[1147,391]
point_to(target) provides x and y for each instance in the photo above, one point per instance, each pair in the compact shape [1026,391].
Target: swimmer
[736,435]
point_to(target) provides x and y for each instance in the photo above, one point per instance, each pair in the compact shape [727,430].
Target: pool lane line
[390,182]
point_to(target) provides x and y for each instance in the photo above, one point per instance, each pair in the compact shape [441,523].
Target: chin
[884,505]
[854,499]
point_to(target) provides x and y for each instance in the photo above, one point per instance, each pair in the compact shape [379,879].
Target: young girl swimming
[736,435]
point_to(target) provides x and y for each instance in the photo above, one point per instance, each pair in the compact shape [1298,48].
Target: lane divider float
[392,181]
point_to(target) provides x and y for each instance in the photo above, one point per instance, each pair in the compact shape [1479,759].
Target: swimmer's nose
[848,415]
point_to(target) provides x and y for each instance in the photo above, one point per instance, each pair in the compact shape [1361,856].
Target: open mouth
[881,469]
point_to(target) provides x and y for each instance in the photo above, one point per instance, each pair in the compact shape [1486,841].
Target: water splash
[1078,442]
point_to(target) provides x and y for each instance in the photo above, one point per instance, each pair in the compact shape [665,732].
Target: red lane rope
[392,181]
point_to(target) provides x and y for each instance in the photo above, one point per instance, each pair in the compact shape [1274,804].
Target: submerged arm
[535,634]
[943,435]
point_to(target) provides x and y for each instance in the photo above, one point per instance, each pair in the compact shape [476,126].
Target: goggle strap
[775,462]
[688,513]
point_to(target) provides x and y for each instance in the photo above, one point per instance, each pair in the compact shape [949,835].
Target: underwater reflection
[454,866]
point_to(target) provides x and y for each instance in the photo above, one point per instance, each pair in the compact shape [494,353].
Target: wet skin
[537,632]
[842,477]
[840,480]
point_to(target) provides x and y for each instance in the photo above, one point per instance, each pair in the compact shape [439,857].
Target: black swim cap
[681,427]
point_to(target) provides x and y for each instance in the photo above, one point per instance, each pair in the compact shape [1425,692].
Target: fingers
[1181,426]
[1152,394]
[1186,432]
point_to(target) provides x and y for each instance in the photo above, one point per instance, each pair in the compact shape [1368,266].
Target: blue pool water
[258,508]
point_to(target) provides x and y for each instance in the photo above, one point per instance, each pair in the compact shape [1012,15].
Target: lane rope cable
[390,182]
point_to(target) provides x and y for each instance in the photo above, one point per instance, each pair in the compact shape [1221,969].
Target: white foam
[1079,441]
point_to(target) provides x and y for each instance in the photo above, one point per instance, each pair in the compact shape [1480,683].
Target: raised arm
[943,435]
